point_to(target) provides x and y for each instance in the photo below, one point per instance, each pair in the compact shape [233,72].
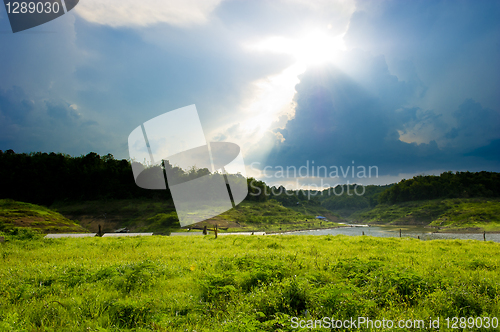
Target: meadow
[239,283]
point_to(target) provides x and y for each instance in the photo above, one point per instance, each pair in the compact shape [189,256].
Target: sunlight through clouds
[273,98]
[410,86]
[314,47]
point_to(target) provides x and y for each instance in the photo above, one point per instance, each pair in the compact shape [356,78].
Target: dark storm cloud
[476,125]
[62,112]
[425,72]
[15,105]
[339,120]
[140,75]
[28,124]
[419,92]
[122,77]
[488,152]
[452,45]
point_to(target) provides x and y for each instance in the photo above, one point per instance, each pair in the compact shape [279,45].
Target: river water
[393,231]
[379,231]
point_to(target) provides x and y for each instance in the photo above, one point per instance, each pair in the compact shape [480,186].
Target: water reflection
[393,231]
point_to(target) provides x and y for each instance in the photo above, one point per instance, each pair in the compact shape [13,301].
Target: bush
[22,233]
[130,313]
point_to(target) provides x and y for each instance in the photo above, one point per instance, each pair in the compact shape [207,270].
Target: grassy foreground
[240,283]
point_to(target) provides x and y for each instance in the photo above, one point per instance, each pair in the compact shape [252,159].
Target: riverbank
[438,229]
[458,214]
[421,230]
[416,232]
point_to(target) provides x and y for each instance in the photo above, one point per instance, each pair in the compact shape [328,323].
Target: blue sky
[408,86]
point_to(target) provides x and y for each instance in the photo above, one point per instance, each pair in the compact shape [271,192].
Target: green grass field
[450,214]
[240,283]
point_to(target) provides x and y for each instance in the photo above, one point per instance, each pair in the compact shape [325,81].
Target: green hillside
[18,214]
[451,201]
[348,199]
[136,214]
[273,216]
[475,214]
[159,216]
[99,190]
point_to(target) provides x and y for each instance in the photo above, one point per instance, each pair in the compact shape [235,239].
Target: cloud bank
[45,125]
[130,13]
[416,92]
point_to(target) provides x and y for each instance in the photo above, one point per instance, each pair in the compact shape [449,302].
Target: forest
[44,178]
[446,185]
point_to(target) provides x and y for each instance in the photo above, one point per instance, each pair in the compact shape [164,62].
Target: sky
[401,88]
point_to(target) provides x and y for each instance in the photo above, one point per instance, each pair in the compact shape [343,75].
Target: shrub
[22,233]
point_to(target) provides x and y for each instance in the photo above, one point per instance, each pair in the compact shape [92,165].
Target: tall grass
[239,283]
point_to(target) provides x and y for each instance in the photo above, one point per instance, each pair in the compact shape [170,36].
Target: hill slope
[476,214]
[159,216]
[19,214]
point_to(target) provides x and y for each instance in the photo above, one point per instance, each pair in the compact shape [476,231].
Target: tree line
[43,178]
[446,185]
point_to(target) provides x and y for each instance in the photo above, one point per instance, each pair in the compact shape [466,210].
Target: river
[393,231]
[378,231]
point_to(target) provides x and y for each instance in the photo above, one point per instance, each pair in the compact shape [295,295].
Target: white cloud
[335,12]
[119,13]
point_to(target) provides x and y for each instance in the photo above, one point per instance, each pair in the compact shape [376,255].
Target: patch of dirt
[26,221]
[41,223]
[333,218]
[461,230]
[410,220]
